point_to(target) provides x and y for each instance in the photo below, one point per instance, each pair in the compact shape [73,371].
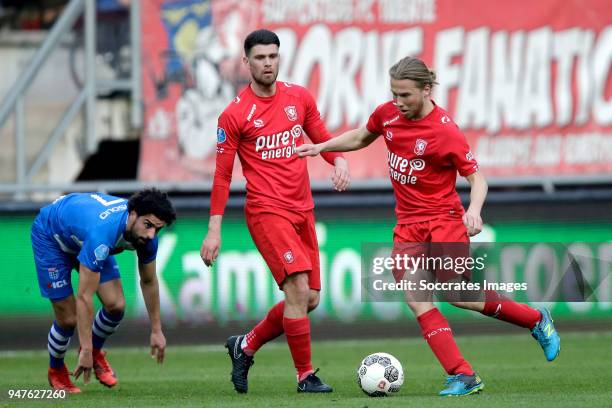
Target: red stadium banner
[528,82]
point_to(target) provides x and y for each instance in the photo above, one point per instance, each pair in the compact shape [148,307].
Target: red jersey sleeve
[315,128]
[459,152]
[374,123]
[228,139]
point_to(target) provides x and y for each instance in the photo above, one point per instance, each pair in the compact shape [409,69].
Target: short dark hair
[152,201]
[260,37]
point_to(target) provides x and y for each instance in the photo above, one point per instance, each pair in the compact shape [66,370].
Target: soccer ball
[380,374]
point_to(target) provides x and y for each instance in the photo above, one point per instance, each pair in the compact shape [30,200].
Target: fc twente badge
[419,147]
[291,113]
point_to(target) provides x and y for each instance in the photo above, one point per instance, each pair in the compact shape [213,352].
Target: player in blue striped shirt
[83,231]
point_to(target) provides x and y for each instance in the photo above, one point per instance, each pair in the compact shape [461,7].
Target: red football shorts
[441,237]
[287,241]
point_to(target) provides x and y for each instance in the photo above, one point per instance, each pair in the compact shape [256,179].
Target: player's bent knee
[297,281]
[296,289]
[116,307]
[66,322]
[302,292]
[313,301]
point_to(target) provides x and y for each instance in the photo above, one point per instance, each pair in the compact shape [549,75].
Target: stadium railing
[13,103]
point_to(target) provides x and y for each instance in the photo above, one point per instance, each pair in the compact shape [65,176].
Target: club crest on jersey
[288,256]
[53,273]
[419,147]
[221,136]
[291,113]
[389,135]
[258,123]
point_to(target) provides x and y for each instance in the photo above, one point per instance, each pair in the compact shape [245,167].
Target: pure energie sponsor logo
[278,145]
[401,169]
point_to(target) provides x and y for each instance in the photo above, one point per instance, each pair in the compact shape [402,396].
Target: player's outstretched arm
[150,293]
[478,193]
[348,141]
[212,241]
[88,285]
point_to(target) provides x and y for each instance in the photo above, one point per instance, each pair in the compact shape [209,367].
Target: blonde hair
[415,70]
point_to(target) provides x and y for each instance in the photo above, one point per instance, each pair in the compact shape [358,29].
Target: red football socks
[267,330]
[439,336]
[297,332]
[505,309]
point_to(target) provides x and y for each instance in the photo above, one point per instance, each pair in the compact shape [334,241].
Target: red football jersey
[265,131]
[423,156]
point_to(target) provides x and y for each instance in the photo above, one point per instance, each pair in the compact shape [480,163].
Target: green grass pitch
[512,367]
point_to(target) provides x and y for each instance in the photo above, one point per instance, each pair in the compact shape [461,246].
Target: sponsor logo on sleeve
[445,119]
[221,136]
[101,252]
[469,156]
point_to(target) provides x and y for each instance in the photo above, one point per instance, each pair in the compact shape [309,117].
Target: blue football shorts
[54,266]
